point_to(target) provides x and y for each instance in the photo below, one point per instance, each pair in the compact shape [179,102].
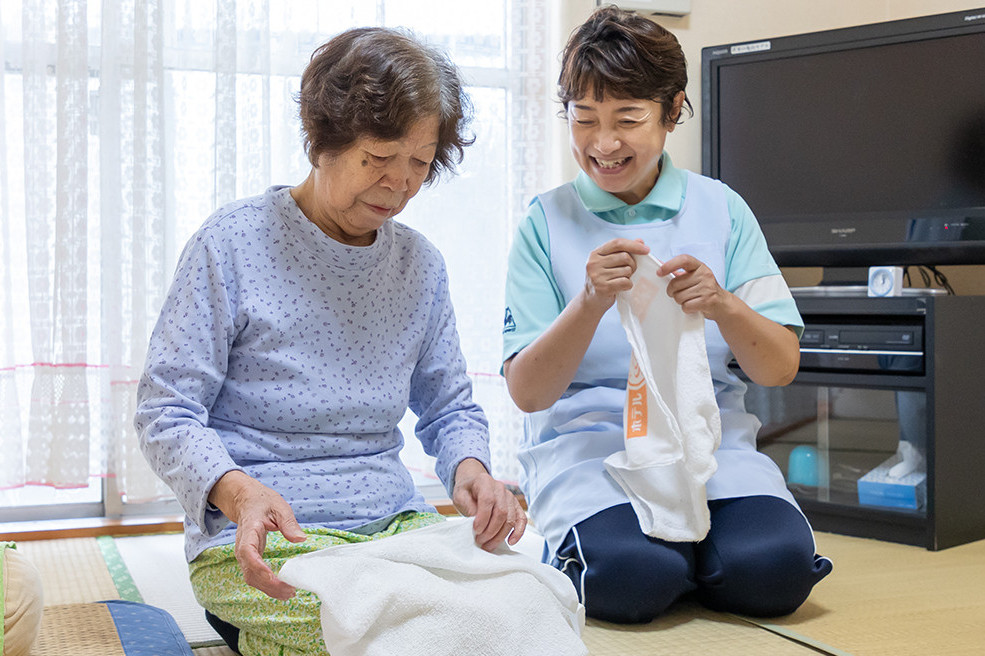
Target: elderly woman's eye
[420,163]
[378,159]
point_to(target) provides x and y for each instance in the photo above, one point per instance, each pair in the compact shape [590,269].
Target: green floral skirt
[267,626]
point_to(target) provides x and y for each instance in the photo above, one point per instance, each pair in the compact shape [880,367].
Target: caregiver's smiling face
[618,143]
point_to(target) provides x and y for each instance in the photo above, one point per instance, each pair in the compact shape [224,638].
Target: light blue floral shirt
[288,355]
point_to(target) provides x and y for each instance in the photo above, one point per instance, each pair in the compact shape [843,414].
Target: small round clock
[885,281]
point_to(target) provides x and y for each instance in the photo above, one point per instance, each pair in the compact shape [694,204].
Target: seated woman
[566,357]
[300,326]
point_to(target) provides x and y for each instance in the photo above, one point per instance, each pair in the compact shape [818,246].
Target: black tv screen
[856,147]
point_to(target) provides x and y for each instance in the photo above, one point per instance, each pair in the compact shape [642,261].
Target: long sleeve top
[292,357]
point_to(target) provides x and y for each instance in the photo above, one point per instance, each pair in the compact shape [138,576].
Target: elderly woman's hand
[256,510]
[498,515]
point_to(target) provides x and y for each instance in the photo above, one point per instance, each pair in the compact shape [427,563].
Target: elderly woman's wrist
[224,491]
[470,468]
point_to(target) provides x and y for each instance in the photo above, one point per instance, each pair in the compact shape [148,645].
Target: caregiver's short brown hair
[619,54]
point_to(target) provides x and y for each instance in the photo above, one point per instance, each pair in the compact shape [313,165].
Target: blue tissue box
[877,488]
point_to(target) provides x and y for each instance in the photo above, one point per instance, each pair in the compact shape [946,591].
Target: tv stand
[876,372]
[844,276]
[849,291]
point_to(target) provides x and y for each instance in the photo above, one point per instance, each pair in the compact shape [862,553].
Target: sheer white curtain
[123,123]
[83,229]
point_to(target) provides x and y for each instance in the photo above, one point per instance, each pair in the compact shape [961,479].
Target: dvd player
[862,347]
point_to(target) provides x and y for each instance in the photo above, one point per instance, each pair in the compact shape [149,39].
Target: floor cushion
[21,602]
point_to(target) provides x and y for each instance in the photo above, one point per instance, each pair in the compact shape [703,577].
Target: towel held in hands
[434,591]
[672,421]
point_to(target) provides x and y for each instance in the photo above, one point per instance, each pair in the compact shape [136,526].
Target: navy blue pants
[758,559]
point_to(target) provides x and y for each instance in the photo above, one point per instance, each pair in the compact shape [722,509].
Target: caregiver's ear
[676,109]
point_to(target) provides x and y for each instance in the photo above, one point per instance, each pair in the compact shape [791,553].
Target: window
[124,126]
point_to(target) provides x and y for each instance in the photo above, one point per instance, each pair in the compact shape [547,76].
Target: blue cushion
[147,630]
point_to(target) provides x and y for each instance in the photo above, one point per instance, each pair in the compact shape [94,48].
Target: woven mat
[77,630]
[689,629]
[885,599]
[84,569]
[72,570]
[882,599]
[155,564]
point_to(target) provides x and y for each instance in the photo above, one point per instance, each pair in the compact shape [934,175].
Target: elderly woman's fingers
[285,522]
[507,521]
[486,507]
[250,543]
[496,513]
[489,520]
[497,533]
[519,526]
[267,511]
[264,580]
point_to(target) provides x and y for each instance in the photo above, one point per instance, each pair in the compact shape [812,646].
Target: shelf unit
[950,421]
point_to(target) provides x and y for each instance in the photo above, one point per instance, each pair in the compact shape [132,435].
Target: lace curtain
[124,123]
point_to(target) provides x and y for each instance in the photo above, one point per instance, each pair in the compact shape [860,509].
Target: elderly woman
[301,325]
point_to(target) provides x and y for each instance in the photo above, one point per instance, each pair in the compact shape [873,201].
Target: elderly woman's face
[349,196]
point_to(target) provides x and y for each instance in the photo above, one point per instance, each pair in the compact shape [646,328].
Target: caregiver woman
[566,356]
[300,326]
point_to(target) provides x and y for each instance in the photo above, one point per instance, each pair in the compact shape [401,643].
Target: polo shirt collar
[667,193]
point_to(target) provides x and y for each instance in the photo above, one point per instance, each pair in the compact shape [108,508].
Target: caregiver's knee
[627,588]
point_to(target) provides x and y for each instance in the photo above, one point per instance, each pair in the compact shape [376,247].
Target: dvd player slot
[872,348]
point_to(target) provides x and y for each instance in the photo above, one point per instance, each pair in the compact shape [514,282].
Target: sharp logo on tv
[842,232]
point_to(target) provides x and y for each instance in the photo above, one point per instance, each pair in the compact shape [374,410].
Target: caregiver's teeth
[610,163]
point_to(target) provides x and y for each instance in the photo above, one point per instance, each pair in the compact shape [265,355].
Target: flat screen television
[856,147]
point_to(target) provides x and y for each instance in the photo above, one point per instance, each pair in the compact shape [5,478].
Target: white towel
[672,421]
[433,591]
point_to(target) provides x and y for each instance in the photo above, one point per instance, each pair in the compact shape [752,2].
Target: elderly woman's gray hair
[378,82]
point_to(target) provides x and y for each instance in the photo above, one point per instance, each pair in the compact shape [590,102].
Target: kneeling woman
[566,356]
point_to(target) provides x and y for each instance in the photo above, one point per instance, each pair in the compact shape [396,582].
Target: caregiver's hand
[256,510]
[608,270]
[497,512]
[694,286]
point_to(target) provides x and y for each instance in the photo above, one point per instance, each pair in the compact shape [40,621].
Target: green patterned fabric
[269,626]
[125,586]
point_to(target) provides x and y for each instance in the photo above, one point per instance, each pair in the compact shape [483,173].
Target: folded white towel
[433,591]
[672,421]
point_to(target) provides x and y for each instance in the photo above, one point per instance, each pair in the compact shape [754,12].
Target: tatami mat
[882,599]
[886,599]
[689,629]
[77,630]
[158,568]
[72,570]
